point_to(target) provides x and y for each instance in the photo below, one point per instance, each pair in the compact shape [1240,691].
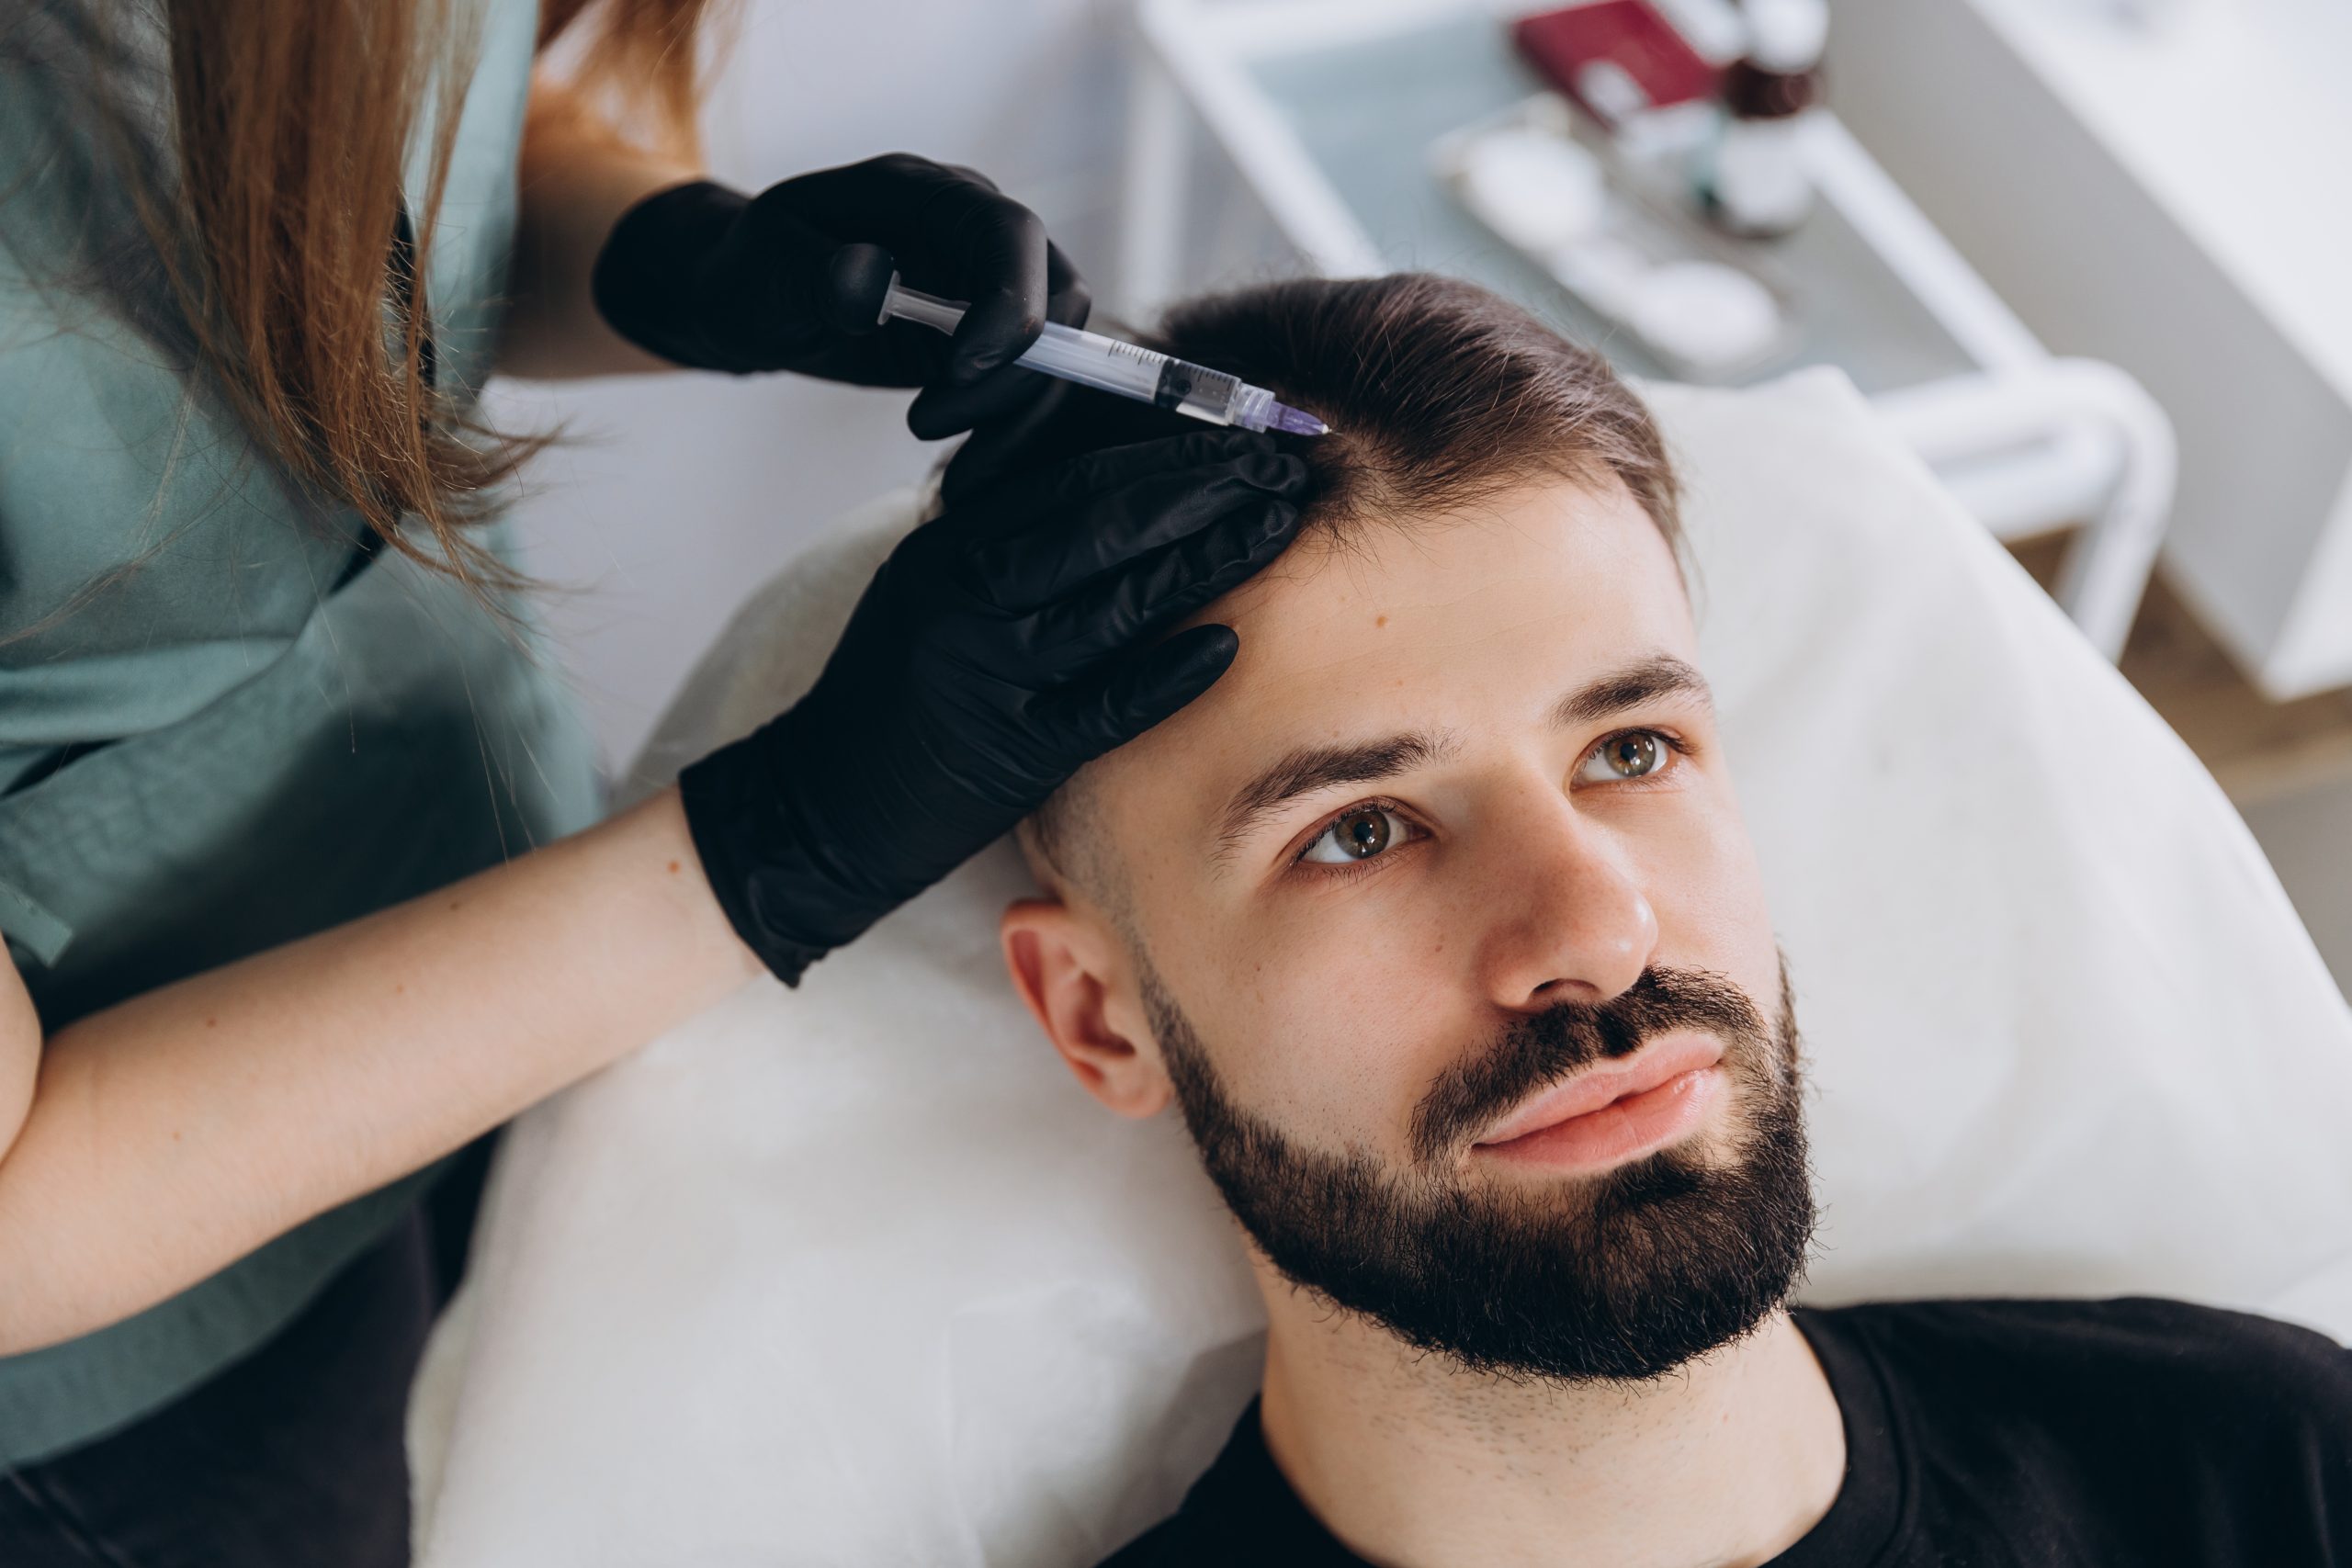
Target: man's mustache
[1538,1052]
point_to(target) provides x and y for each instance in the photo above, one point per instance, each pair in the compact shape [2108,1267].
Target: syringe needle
[1294,422]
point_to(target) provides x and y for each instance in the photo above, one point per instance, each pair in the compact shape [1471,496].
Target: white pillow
[857,1274]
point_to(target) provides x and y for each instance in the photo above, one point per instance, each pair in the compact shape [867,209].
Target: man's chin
[1615,1273]
[1626,1277]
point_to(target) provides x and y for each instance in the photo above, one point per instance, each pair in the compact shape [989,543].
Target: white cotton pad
[1539,191]
[1705,315]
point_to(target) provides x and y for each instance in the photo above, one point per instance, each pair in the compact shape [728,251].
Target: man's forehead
[1593,540]
[1431,623]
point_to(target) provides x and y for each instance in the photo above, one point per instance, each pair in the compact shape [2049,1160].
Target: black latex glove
[793,279]
[1057,424]
[1002,647]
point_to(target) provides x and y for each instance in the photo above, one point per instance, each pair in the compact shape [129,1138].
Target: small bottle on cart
[1754,185]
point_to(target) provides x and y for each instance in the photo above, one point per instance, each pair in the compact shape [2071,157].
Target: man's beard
[1620,1277]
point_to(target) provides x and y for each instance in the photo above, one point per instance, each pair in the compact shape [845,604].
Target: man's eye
[1635,754]
[1366,831]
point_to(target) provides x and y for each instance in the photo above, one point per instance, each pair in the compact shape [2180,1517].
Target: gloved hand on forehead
[1003,645]
[792,279]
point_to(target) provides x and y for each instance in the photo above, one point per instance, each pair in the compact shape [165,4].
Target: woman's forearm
[174,1132]
[578,176]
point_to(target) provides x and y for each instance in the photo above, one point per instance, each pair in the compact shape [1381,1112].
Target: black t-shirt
[1989,1434]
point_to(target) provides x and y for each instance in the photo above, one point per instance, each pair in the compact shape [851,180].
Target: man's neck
[1413,1462]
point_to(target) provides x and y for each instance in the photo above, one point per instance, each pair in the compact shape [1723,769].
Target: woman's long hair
[268,204]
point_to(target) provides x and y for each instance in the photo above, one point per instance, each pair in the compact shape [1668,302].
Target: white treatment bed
[855,1274]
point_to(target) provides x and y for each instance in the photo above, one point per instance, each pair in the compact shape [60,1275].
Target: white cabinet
[2176,199]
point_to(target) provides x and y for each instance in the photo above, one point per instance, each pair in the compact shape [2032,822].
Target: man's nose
[1566,918]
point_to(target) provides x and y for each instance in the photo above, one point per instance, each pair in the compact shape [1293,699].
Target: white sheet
[858,1275]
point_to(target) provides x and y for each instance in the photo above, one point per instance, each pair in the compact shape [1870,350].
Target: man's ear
[1070,971]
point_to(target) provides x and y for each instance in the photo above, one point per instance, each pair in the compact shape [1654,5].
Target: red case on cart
[1629,35]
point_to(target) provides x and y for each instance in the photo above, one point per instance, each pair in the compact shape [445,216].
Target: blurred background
[2088,257]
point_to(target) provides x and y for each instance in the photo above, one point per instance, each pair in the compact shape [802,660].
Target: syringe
[1131,371]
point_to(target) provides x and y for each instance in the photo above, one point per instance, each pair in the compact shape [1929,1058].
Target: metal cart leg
[2066,441]
[1151,202]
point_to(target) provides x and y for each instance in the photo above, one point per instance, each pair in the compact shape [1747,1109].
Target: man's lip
[1656,1063]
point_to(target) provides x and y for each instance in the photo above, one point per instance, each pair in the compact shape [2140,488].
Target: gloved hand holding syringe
[1127,368]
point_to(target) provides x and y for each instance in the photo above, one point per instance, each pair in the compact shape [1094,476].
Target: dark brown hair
[1440,396]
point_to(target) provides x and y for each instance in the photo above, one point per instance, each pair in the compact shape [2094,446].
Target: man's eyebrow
[1660,675]
[1312,768]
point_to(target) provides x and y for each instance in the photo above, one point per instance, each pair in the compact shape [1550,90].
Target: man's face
[1448,857]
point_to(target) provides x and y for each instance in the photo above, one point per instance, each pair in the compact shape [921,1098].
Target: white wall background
[679,493]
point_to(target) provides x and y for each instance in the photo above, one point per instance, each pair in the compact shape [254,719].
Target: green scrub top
[210,742]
